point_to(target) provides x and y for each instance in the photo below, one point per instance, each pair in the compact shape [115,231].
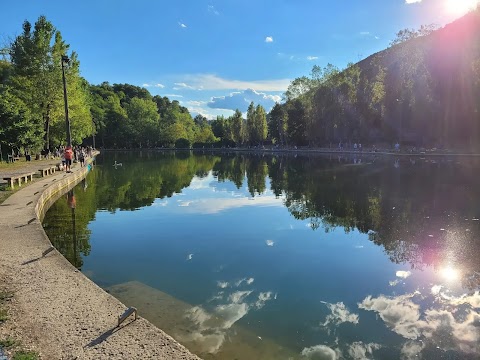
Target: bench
[49,170]
[11,179]
[12,158]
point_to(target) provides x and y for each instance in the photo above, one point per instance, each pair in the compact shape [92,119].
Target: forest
[422,91]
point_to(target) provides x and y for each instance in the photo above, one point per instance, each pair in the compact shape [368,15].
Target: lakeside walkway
[56,310]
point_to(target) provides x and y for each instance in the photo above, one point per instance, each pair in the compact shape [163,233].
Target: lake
[285,256]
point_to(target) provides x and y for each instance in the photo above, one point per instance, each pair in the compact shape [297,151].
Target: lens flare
[460,7]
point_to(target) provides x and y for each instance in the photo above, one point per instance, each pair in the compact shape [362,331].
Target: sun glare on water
[460,7]
[450,274]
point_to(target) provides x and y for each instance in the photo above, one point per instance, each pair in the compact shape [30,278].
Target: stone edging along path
[56,310]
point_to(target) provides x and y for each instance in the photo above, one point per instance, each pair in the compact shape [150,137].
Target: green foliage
[25,355]
[3,315]
[8,343]
[34,77]
[277,124]
[417,92]
[182,143]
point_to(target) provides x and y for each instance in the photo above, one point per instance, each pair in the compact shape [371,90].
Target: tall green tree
[278,124]
[237,126]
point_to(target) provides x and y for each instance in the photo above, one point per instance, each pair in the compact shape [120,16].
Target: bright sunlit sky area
[216,56]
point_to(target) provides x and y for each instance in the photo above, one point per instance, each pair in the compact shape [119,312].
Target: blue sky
[215,56]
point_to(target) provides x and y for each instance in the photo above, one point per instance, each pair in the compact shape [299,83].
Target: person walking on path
[68,159]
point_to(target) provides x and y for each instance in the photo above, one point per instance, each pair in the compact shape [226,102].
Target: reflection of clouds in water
[436,289]
[339,314]
[263,297]
[201,183]
[403,274]
[360,351]
[248,281]
[399,313]
[438,326]
[269,242]
[216,205]
[400,274]
[321,352]
[210,330]
[222,284]
[238,296]
[411,350]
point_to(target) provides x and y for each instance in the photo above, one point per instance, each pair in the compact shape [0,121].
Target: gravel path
[56,310]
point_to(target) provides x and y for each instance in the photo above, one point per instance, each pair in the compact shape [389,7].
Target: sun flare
[460,7]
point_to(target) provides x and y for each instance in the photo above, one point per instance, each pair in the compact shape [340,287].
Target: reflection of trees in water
[421,212]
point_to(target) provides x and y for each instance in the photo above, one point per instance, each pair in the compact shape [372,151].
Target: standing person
[68,159]
[81,158]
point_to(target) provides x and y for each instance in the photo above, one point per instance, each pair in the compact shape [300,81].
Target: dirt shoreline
[56,310]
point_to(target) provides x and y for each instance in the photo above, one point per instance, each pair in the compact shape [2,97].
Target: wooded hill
[424,90]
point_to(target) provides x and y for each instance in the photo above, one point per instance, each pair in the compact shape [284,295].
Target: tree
[260,127]
[278,123]
[37,80]
[236,122]
[19,127]
[142,121]
[250,130]
[297,123]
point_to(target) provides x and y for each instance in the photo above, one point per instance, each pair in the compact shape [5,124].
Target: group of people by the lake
[70,154]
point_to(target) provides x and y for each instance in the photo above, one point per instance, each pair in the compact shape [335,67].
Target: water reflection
[282,257]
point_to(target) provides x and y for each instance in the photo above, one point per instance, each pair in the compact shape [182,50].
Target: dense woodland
[424,91]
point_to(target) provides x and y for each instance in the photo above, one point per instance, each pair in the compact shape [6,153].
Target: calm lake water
[286,257]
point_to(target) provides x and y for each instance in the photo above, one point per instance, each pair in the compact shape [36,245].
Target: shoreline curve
[56,310]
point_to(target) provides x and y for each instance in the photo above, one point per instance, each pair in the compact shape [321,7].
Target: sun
[460,7]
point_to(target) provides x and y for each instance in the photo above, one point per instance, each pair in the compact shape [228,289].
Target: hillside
[422,91]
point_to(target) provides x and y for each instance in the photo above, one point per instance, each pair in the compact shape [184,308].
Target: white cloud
[364,33]
[403,274]
[146,85]
[173,96]
[310,58]
[211,9]
[269,242]
[360,351]
[241,99]
[182,25]
[269,39]
[196,103]
[320,352]
[263,297]
[412,1]
[339,314]
[182,85]
[214,82]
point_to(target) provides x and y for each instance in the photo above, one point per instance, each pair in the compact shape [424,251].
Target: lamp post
[66,60]
[94,131]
